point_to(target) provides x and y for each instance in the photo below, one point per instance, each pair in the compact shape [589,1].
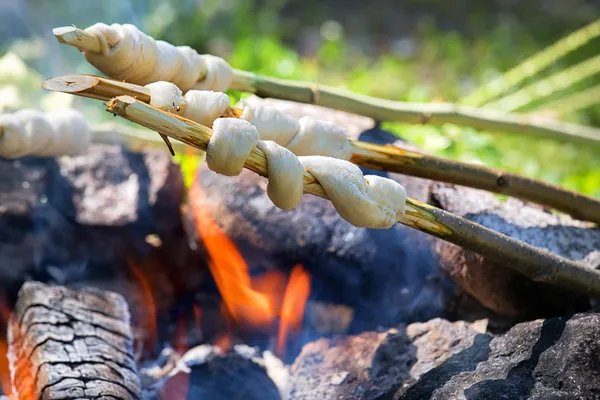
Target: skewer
[539,265]
[379,109]
[387,158]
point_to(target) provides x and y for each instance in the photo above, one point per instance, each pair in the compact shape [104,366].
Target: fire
[149,325]
[292,308]
[5,381]
[258,302]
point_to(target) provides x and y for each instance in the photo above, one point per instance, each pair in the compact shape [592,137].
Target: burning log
[71,344]
[378,109]
[386,158]
[539,265]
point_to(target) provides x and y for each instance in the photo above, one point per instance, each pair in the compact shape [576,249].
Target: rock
[69,218]
[543,359]
[397,271]
[369,365]
[497,287]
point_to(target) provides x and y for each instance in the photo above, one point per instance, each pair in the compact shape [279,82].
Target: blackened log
[68,344]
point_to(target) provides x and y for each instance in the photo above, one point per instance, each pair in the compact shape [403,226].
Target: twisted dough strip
[130,55]
[306,137]
[32,132]
[364,201]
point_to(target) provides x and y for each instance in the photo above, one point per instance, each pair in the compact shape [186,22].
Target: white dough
[41,137]
[270,122]
[31,132]
[130,55]
[286,185]
[72,130]
[219,74]
[205,106]
[231,143]
[167,96]
[387,192]
[368,202]
[320,138]
[14,141]
[344,184]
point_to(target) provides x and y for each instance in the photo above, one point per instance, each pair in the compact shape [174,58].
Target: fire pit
[116,288]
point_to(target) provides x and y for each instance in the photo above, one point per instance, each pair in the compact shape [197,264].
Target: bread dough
[286,184]
[346,187]
[270,122]
[205,106]
[167,96]
[31,132]
[132,56]
[232,141]
[320,138]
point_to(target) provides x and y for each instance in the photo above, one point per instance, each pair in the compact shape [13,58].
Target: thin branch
[387,158]
[415,113]
[539,265]
[532,65]
[378,109]
[394,159]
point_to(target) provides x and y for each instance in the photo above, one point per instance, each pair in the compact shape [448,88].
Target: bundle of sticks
[134,102]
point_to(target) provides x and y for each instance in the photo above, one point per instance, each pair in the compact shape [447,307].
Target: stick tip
[66,34]
[118,105]
[70,83]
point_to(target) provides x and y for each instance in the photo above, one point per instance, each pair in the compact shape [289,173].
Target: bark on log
[66,344]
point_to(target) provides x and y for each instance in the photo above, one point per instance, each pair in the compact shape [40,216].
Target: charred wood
[67,344]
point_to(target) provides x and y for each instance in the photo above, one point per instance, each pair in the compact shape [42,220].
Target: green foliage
[441,69]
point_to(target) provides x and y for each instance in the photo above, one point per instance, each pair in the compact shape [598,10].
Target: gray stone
[68,218]
[496,286]
[371,364]
[543,359]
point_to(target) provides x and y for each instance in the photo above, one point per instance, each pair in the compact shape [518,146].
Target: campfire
[314,256]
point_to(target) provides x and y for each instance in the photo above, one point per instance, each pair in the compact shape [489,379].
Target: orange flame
[251,302]
[149,324]
[230,271]
[5,381]
[292,308]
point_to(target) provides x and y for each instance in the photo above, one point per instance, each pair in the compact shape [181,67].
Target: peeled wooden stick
[539,265]
[379,109]
[387,158]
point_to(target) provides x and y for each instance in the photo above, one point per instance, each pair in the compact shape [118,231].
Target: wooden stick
[96,87]
[539,265]
[415,113]
[387,158]
[378,109]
